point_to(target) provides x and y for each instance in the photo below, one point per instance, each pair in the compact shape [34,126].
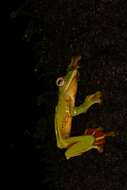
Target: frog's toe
[100,149]
[97,97]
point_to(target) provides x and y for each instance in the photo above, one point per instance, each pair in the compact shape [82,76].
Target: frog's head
[68,83]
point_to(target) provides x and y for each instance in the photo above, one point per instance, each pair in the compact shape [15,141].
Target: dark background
[41,37]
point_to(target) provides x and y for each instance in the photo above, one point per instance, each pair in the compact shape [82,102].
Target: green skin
[66,109]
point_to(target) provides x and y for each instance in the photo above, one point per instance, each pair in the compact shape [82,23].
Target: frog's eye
[60,81]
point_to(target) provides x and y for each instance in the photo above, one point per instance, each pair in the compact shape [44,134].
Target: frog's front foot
[93,99]
[88,102]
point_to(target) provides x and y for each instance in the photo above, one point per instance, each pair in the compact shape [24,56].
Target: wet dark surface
[42,37]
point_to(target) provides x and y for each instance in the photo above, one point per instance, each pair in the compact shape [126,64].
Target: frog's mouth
[73,68]
[75,61]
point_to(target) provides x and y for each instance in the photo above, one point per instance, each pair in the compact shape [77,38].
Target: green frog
[66,109]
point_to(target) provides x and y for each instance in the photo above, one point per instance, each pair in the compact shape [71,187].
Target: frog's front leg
[89,101]
[80,144]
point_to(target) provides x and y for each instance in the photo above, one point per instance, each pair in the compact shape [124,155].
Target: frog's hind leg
[79,145]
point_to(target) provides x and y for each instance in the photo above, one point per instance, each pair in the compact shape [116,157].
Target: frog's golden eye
[60,81]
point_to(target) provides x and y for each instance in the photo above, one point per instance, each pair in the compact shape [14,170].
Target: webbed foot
[100,137]
[93,98]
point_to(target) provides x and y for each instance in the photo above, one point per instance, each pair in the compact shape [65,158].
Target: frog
[65,110]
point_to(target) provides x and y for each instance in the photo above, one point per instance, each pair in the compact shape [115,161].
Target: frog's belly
[66,126]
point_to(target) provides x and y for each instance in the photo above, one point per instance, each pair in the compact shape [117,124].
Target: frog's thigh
[81,145]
